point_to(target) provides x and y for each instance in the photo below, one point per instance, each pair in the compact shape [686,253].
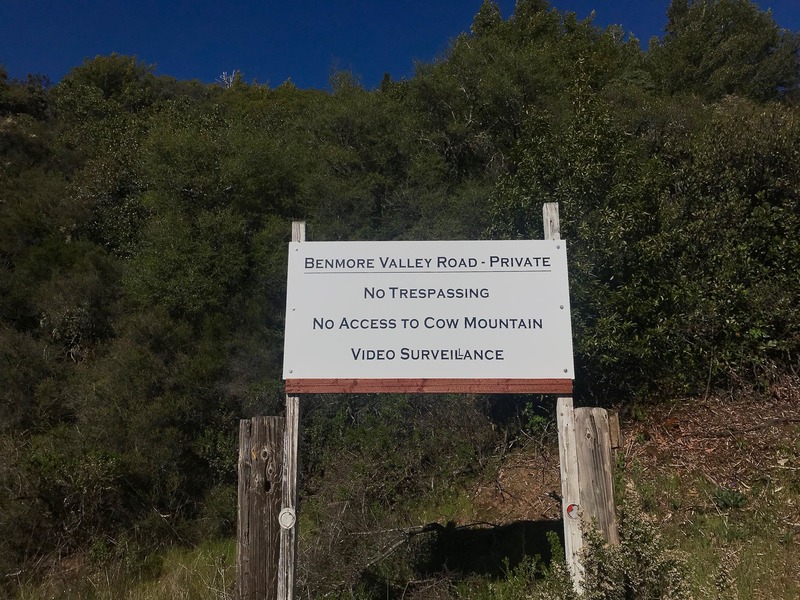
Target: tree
[525,9]
[713,48]
[120,79]
[487,18]
[682,235]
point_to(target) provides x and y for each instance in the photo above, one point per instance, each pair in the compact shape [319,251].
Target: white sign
[418,310]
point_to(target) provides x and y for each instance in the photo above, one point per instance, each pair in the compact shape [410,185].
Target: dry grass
[203,573]
[722,475]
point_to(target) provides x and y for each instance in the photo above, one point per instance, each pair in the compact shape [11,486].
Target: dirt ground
[737,442]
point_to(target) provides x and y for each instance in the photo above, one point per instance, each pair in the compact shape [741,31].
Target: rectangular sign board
[433,316]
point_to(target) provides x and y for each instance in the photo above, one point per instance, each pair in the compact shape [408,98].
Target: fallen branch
[764,425]
[407,535]
[411,532]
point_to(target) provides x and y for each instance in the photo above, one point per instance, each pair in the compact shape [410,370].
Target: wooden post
[613,430]
[288,516]
[552,225]
[298,231]
[567,449]
[570,490]
[587,480]
[259,501]
[596,471]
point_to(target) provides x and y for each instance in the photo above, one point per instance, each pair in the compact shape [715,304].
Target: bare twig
[764,425]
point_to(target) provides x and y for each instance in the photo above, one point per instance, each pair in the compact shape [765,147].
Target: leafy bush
[726,498]
[640,568]
[374,462]
[682,227]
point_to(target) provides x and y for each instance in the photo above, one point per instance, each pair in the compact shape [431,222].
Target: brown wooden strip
[596,471]
[429,386]
[261,465]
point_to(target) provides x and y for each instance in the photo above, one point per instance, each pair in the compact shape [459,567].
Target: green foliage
[717,47]
[726,498]
[641,567]
[29,97]
[670,255]
[116,571]
[121,81]
[189,265]
[372,462]
[487,18]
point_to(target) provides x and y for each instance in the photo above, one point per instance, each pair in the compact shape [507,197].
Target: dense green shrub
[683,238]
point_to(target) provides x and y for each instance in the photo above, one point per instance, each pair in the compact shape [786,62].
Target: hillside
[144,224]
[719,476]
[716,477]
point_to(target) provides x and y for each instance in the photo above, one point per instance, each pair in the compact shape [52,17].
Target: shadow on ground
[457,552]
[488,550]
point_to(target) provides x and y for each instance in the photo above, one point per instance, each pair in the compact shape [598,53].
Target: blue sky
[271,41]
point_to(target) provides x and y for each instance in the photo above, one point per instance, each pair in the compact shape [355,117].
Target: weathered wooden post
[288,515]
[587,469]
[567,448]
[552,225]
[570,490]
[260,468]
[596,471]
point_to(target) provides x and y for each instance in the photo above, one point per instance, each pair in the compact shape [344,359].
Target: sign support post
[567,450]
[587,471]
[570,490]
[288,515]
